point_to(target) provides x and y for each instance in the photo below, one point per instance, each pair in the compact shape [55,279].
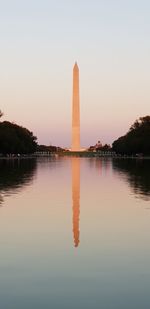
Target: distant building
[96,147]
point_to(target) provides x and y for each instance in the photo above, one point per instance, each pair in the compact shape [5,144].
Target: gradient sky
[39,43]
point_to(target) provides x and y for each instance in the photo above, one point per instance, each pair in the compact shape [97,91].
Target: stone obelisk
[75,110]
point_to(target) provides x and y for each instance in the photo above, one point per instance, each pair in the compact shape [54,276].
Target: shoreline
[81,155]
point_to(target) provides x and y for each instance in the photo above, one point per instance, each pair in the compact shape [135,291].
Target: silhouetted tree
[137,140]
[45,148]
[15,139]
[106,147]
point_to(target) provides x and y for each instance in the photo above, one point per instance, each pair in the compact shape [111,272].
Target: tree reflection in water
[15,174]
[138,175]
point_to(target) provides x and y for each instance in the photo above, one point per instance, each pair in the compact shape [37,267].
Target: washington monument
[75,110]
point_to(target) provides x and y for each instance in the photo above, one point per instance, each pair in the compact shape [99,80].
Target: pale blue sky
[39,43]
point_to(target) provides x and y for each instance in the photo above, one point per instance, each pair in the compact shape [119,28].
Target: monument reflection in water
[39,266]
[76,199]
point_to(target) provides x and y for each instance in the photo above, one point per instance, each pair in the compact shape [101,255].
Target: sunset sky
[39,43]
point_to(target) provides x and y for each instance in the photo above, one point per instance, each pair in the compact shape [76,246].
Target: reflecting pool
[74,233]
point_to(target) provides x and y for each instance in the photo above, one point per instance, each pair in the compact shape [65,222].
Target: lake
[75,233]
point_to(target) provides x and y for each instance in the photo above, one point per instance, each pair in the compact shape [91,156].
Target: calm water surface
[75,233]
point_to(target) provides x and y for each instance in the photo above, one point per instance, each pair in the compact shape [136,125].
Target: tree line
[15,139]
[137,139]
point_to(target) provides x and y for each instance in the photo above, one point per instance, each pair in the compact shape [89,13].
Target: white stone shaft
[75,110]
